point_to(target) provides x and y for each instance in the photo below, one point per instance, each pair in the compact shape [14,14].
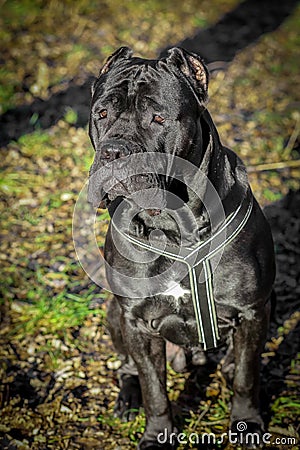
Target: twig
[214,422]
[292,140]
[286,151]
[274,166]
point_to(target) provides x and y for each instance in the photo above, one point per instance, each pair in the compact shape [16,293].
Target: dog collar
[198,259]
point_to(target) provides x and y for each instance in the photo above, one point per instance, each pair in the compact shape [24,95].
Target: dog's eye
[102,114]
[158,119]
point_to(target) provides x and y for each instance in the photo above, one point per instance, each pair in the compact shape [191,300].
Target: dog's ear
[118,55]
[194,69]
[122,53]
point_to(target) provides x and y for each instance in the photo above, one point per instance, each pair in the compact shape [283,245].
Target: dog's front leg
[249,339]
[149,354]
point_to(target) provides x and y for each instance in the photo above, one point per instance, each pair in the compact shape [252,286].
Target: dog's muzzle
[113,174]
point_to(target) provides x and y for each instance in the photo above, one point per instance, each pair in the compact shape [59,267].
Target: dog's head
[142,107]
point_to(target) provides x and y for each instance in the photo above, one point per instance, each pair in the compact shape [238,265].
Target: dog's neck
[223,169]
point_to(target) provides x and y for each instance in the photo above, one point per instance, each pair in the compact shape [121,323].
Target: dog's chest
[176,290]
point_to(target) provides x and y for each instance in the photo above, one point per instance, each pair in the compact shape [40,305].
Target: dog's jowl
[189,252]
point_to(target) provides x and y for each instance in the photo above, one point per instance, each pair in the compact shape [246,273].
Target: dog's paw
[129,400]
[248,434]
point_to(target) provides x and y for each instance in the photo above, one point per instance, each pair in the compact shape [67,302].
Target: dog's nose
[111,151]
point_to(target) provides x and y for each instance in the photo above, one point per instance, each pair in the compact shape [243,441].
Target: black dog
[157,107]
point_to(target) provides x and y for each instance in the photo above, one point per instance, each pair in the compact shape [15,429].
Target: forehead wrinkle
[134,82]
[141,77]
[142,80]
[120,79]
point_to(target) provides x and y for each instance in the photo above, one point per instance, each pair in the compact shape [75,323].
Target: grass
[40,220]
[40,311]
[284,408]
[132,430]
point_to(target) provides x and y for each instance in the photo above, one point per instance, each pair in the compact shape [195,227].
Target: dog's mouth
[145,191]
[142,179]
